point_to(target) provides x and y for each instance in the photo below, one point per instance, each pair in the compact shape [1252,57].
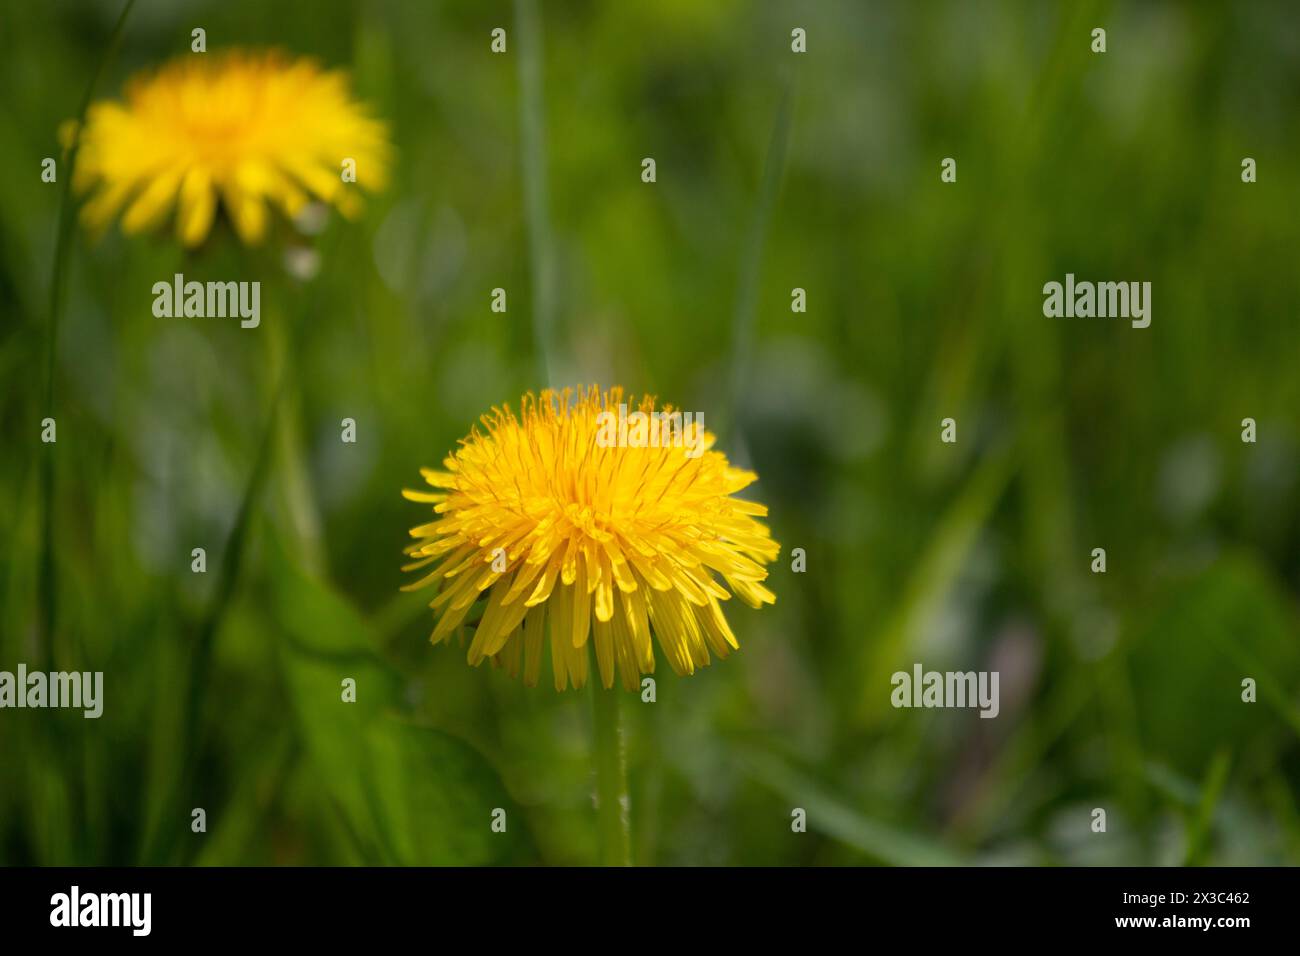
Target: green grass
[775,170]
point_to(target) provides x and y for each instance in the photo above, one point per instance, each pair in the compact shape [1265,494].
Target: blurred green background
[775,171]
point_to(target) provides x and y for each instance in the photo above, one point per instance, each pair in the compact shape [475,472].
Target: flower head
[561,530]
[239,130]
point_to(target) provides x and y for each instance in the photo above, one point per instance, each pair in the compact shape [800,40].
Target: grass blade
[532,160]
[745,315]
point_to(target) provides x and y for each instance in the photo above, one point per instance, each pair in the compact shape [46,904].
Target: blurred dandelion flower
[242,130]
[600,545]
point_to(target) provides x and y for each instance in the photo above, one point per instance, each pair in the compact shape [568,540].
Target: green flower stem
[612,803]
[293,479]
[532,157]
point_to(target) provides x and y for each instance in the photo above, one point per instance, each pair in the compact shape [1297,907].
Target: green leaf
[1209,632]
[408,795]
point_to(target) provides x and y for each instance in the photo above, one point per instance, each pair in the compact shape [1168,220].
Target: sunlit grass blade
[935,573]
[746,308]
[1198,828]
[837,818]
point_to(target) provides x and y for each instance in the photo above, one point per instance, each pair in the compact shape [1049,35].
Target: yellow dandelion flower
[563,525]
[238,130]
